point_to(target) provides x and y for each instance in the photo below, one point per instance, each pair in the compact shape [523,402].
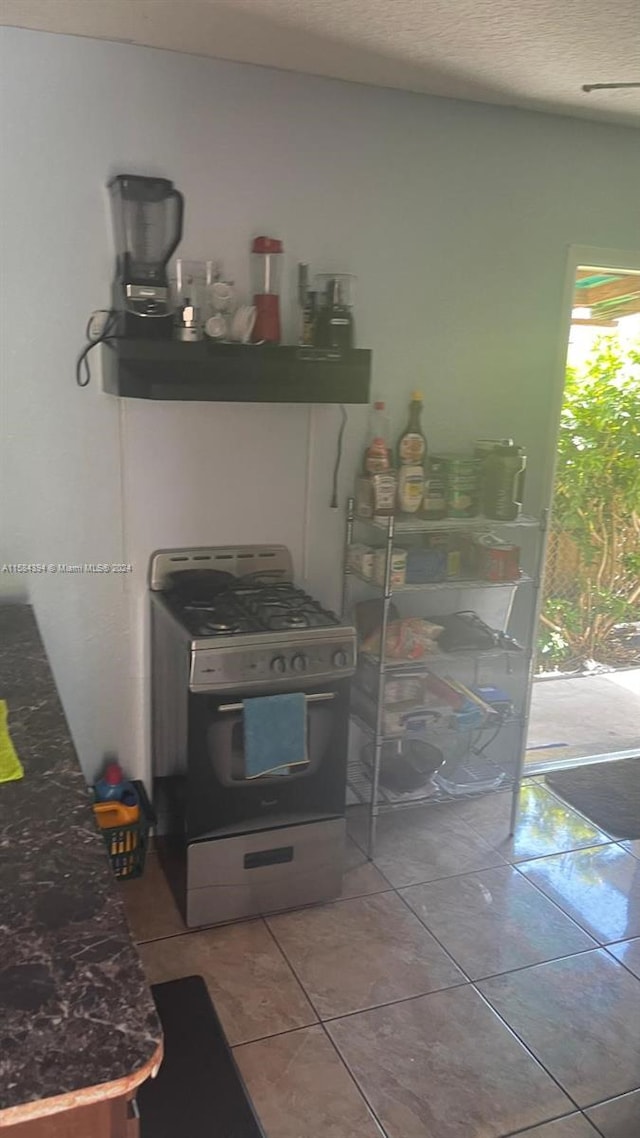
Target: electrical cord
[491,739]
[336,468]
[83,371]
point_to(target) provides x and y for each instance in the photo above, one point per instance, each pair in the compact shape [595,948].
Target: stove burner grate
[254,606]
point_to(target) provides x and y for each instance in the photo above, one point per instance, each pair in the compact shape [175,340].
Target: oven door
[221,800]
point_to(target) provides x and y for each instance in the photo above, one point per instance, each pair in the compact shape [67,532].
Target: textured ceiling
[525,53]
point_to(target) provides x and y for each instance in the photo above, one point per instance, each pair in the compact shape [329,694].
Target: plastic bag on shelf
[410,639]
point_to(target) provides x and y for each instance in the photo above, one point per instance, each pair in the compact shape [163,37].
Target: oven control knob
[340,659]
[279,665]
[299,663]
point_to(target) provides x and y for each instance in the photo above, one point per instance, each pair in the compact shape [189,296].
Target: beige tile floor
[464,986]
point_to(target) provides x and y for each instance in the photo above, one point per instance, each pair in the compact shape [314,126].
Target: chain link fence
[562,591]
[562,568]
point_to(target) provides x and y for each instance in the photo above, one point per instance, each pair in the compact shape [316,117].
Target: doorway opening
[585,704]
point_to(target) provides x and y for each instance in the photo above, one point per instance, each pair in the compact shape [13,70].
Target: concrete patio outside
[580,716]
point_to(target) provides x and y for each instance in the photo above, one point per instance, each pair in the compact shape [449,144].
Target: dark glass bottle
[412,443]
[434,506]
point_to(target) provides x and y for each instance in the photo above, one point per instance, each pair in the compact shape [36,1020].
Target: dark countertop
[75,1009]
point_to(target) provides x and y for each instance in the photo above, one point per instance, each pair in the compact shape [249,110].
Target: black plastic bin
[127,845]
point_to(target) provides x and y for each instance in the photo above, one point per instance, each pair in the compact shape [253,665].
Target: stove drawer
[249,874]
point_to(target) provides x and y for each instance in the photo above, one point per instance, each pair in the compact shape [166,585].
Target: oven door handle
[313,697]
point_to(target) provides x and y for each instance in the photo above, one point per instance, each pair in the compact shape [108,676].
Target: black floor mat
[198,1091]
[607,793]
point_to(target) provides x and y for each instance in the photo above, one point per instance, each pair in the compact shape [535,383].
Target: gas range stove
[247,845]
[259,629]
[252,605]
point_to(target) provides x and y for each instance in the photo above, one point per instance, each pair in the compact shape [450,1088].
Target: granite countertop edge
[77,1019]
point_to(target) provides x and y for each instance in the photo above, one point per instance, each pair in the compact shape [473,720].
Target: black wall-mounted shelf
[235,373]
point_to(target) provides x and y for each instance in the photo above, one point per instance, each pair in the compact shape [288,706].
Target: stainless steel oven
[249,845]
[220,798]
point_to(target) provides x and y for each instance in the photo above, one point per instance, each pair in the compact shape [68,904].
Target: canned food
[461,477]
[497,560]
[398,566]
[360,560]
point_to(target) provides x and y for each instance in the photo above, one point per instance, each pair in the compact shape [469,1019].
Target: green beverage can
[462,476]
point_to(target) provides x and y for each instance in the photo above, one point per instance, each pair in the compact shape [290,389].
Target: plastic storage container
[503,483]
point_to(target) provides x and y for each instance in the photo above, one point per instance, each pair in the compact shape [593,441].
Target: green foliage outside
[597,504]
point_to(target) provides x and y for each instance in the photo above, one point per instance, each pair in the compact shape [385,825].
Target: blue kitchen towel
[275,734]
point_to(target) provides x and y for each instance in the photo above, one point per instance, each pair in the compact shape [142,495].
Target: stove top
[250,606]
[256,631]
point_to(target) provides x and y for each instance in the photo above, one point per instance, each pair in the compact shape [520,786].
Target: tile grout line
[320,1023]
[529,1051]
[518,968]
[551,1122]
[467,980]
[477,833]
[263,917]
[397,889]
[513,1031]
[408,999]
[612,840]
[200,929]
[559,853]
[372,1007]
[359,1089]
[436,938]
[464,983]
[484,869]
[541,890]
[622,964]
[606,1101]
[445,806]
[392,1003]
[573,810]
[293,970]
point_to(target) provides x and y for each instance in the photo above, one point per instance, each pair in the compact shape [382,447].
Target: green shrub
[597,504]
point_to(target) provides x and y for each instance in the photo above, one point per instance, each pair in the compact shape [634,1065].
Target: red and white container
[496,560]
[266,261]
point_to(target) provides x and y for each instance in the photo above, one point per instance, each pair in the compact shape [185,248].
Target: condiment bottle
[412,443]
[377,456]
[434,505]
[410,488]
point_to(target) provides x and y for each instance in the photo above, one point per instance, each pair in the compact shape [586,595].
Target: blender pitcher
[266,259]
[147,219]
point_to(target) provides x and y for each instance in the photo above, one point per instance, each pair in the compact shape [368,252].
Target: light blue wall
[456,217]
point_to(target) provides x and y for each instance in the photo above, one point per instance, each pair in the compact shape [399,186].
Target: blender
[147,219]
[266,258]
[334,326]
